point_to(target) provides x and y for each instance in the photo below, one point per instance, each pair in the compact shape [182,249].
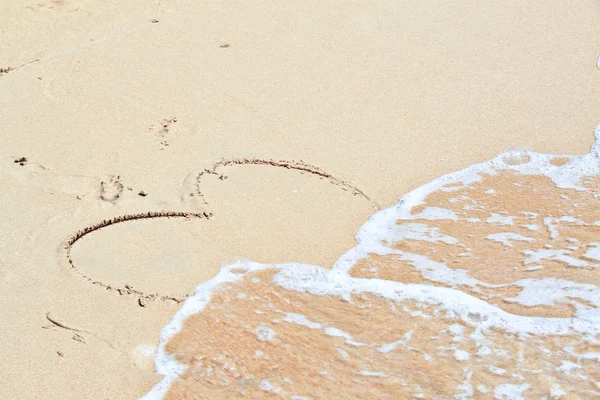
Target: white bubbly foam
[382,228]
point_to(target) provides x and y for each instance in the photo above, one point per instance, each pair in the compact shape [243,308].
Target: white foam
[461,355]
[323,282]
[387,347]
[416,231]
[335,332]
[266,386]
[467,387]
[264,333]
[556,391]
[301,320]
[559,255]
[457,329]
[510,391]
[567,366]
[534,268]
[343,353]
[372,373]
[506,237]
[499,219]
[593,253]
[496,370]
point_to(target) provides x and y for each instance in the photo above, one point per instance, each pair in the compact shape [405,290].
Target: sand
[119,108]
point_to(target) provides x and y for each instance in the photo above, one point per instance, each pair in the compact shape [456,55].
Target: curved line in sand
[143,297]
[127,289]
[300,166]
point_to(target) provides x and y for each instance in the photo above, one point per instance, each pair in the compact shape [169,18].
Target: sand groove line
[292,165]
[61,325]
[142,297]
[128,289]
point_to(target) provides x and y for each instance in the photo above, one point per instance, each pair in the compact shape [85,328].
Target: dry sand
[109,102]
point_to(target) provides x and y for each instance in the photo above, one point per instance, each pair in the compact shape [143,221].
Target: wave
[483,282]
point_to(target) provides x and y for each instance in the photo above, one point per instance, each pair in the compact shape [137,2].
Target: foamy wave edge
[378,229]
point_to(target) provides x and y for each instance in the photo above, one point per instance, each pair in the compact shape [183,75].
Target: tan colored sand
[142,94]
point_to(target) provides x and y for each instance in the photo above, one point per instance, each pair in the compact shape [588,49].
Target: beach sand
[246,130]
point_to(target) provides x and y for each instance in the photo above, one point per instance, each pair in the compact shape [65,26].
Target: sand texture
[145,144]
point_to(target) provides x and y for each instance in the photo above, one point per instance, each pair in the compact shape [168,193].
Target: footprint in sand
[111,188]
[164,255]
[164,130]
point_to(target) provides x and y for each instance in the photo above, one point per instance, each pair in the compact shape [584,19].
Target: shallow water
[484,283]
